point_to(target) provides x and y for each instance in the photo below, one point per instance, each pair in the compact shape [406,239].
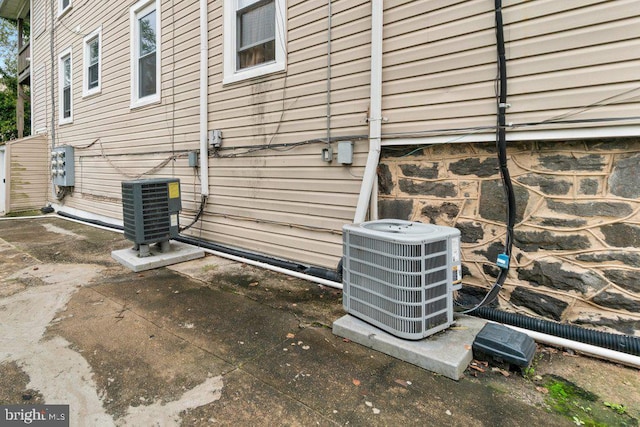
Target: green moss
[33,212]
[583,407]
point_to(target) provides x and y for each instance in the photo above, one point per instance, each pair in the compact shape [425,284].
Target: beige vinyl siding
[288,203]
[40,68]
[113,142]
[27,174]
[439,63]
[38,22]
[40,109]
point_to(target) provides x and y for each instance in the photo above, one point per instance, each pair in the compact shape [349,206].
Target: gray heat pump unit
[150,210]
[400,275]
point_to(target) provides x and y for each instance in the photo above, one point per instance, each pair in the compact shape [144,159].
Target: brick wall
[576,255]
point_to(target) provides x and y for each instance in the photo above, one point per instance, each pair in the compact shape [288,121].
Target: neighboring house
[135,87]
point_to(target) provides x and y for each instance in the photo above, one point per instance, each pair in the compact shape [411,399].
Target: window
[91,71]
[63,7]
[145,53]
[65,82]
[254,38]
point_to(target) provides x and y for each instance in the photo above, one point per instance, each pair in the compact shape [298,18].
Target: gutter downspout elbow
[375,119]
[204,92]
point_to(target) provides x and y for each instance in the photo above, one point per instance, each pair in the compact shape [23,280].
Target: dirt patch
[58,241]
[13,386]
[316,304]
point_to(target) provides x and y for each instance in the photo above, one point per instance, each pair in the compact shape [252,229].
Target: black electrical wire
[62,193]
[501,143]
[203,202]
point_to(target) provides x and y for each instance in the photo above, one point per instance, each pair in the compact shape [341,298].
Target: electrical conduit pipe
[204,92]
[375,113]
[591,350]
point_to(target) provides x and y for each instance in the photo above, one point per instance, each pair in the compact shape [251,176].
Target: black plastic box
[503,344]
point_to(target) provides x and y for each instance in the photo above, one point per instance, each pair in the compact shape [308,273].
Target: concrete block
[447,353]
[178,252]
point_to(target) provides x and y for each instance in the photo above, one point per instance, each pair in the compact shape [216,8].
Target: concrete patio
[216,342]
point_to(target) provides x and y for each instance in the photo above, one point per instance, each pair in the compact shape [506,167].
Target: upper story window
[65,81]
[92,67]
[63,6]
[145,53]
[254,38]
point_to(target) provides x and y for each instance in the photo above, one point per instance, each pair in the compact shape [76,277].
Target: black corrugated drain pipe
[617,342]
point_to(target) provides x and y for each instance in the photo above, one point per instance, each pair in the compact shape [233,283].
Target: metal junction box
[150,209]
[62,166]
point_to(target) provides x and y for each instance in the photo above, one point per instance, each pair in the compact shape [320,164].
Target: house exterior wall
[286,201]
[270,191]
[27,174]
[568,60]
[572,74]
[112,141]
[576,253]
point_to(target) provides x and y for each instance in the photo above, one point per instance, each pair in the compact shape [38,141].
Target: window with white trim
[65,87]
[254,38]
[63,6]
[145,53]
[92,66]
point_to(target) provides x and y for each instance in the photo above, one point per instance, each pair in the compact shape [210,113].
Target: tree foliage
[9,83]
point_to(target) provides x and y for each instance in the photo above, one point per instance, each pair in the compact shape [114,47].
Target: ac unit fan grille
[404,287]
[147,210]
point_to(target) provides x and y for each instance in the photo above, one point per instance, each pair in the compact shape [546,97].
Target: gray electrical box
[150,210]
[62,166]
[193,159]
[345,152]
[215,138]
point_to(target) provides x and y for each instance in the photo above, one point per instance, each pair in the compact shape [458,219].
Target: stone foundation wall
[576,255]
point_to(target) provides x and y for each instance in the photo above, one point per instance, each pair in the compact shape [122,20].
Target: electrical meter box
[62,166]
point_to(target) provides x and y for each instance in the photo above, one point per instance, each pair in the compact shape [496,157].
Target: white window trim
[62,11]
[231,75]
[86,57]
[134,11]
[62,120]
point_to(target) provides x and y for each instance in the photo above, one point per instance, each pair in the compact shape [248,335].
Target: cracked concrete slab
[60,373]
[214,342]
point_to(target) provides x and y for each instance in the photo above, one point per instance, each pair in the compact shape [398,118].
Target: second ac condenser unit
[150,210]
[400,275]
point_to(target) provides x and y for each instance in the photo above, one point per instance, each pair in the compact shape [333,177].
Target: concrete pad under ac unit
[447,353]
[178,252]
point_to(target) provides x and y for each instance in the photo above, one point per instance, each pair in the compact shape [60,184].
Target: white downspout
[375,115]
[204,92]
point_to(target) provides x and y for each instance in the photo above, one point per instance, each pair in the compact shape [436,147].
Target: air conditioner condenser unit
[400,275]
[150,210]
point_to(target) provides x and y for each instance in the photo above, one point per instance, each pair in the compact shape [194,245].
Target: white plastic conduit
[375,116]
[592,350]
[204,91]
